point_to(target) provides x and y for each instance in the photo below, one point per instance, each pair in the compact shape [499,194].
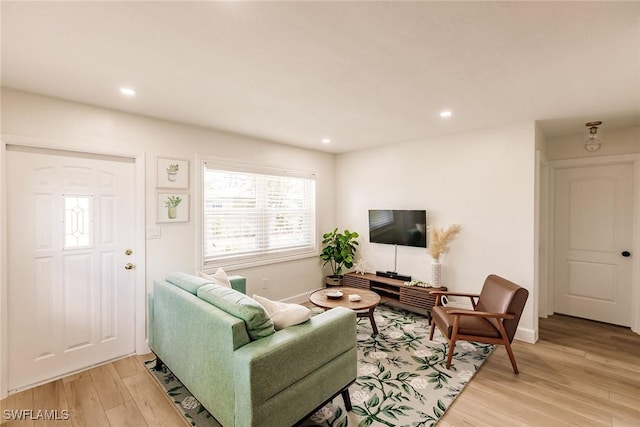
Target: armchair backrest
[500,295]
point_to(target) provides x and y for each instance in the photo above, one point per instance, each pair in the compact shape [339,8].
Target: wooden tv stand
[395,292]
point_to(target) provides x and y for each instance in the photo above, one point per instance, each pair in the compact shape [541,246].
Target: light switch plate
[154,232]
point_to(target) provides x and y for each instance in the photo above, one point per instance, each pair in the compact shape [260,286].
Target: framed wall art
[172,207]
[172,173]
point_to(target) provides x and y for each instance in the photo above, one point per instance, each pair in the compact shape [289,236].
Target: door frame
[543,233]
[140,309]
[634,160]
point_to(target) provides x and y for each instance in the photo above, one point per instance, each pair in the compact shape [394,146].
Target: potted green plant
[339,252]
[172,171]
[172,203]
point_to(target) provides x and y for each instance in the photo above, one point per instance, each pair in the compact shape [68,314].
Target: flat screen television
[398,227]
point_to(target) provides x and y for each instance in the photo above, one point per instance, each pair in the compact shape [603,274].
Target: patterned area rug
[402,379]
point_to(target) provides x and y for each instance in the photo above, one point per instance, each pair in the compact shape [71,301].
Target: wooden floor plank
[476,413]
[110,387]
[128,366]
[52,397]
[580,372]
[621,423]
[538,410]
[84,403]
[632,402]
[615,360]
[154,405]
[126,415]
[15,403]
[503,405]
[581,402]
[142,358]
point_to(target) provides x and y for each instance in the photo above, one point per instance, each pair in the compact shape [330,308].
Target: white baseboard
[526,335]
[298,299]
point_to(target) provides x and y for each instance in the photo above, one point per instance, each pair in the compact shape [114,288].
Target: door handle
[129,266]
[626,254]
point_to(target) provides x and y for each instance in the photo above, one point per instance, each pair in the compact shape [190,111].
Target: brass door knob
[129,266]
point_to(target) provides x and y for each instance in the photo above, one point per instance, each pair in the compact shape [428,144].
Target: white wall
[614,141]
[55,123]
[483,180]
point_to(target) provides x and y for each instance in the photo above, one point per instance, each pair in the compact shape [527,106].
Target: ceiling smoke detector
[593,141]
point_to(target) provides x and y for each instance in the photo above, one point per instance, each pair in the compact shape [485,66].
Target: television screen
[398,227]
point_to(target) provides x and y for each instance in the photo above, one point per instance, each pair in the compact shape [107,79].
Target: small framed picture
[173,173]
[172,207]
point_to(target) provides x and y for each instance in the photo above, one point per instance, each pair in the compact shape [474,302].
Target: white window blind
[254,216]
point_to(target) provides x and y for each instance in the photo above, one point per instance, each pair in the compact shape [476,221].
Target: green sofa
[274,381]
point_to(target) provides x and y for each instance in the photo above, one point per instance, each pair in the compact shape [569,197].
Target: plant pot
[333,280]
[172,213]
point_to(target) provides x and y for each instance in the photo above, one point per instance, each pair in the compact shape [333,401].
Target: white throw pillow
[284,314]
[219,277]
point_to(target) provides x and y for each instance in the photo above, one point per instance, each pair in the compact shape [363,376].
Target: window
[77,221]
[256,216]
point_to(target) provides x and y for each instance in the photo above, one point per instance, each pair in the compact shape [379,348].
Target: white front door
[593,228]
[70,299]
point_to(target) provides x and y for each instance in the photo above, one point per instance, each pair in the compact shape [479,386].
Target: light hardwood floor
[119,394]
[580,373]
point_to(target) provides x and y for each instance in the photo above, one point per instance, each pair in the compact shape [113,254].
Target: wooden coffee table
[363,308]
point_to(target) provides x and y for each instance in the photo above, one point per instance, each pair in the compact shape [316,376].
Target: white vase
[172,212]
[436,272]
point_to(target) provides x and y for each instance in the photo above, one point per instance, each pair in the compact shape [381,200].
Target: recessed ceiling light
[444,114]
[326,140]
[127,91]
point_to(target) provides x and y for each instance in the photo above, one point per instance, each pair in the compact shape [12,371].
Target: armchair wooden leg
[507,345]
[347,399]
[452,346]
[452,340]
[511,357]
[433,328]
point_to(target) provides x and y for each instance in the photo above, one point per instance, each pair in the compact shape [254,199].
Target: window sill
[239,264]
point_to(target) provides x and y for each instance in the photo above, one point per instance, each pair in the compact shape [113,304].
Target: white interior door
[70,299]
[593,227]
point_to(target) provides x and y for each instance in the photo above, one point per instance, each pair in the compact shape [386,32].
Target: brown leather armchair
[493,320]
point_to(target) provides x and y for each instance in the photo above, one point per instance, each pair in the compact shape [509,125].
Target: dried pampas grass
[438,239]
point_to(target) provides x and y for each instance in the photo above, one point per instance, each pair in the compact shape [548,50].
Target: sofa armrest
[239,283]
[266,367]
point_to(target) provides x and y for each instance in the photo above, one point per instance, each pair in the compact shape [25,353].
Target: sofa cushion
[284,314]
[258,322]
[187,282]
[219,277]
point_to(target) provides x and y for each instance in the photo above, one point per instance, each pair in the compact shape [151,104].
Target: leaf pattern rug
[402,378]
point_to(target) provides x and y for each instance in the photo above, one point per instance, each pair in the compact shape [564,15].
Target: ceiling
[363,74]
